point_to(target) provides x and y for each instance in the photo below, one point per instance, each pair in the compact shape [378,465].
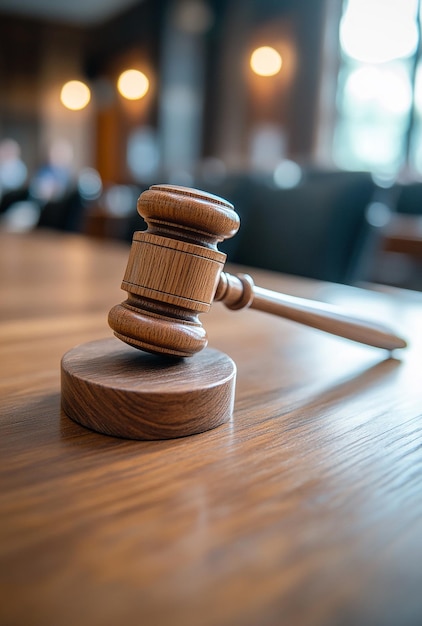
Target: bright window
[379,94]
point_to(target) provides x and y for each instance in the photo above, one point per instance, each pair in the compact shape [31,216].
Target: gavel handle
[239,291]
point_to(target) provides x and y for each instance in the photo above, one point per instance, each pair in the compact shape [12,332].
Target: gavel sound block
[174,273]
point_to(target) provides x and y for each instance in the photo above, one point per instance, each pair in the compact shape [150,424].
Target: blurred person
[54,178]
[13,171]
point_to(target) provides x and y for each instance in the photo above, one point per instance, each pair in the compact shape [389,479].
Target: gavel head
[173,270]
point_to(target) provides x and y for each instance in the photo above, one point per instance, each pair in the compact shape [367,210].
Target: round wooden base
[115,389]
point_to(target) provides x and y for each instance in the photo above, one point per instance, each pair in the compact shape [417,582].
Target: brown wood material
[403,234]
[175,270]
[239,291]
[304,509]
[116,390]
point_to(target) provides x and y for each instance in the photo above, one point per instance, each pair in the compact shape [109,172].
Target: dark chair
[13,196]
[239,189]
[317,229]
[66,213]
[408,198]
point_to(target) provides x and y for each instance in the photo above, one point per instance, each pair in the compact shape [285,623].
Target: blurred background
[306,115]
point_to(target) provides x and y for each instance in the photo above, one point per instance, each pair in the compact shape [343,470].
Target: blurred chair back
[239,189]
[13,196]
[409,198]
[66,213]
[317,229]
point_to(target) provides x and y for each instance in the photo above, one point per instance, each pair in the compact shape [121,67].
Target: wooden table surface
[306,509]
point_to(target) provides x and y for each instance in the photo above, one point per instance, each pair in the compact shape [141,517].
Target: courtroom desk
[102,224]
[398,260]
[403,234]
[305,509]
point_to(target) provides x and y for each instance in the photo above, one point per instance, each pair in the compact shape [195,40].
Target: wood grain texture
[174,272]
[304,509]
[108,386]
[239,291]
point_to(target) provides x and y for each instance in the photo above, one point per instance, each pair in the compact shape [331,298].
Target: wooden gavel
[175,271]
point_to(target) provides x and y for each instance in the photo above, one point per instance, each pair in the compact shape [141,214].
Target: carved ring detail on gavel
[174,273]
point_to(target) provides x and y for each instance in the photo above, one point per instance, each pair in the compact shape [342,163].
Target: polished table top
[305,509]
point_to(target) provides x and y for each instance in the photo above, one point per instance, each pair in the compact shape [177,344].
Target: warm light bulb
[265,61]
[75,95]
[133,84]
